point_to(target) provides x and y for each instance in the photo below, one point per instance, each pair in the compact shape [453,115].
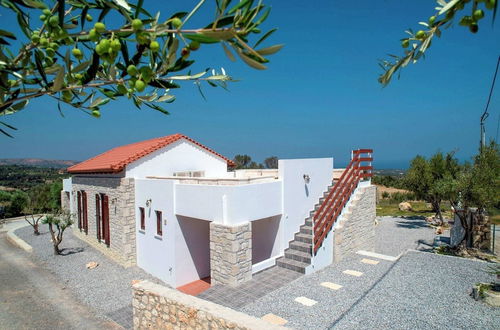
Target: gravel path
[31,297]
[106,288]
[420,290]
[396,235]
[424,291]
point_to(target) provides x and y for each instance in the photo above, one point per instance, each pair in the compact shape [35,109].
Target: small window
[143,218]
[159,228]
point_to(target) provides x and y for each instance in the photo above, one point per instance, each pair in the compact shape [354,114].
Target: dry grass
[387,207]
[381,189]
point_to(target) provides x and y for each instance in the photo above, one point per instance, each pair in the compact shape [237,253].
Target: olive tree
[468,13]
[58,223]
[424,178]
[77,57]
[476,185]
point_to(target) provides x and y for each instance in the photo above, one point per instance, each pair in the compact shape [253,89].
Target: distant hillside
[37,162]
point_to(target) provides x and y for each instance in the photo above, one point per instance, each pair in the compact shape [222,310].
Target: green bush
[402,197]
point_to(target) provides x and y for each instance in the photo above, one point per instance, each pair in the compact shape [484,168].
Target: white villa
[177,209]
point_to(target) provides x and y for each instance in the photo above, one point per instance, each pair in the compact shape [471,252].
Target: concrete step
[300,246]
[291,264]
[298,255]
[306,229]
[306,238]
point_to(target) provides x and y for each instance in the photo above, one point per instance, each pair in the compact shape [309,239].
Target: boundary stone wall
[357,230]
[230,253]
[121,195]
[481,230]
[159,307]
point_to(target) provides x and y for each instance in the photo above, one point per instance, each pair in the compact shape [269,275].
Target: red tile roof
[116,159]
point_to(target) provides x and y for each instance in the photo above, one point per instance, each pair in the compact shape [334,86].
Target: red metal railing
[329,211]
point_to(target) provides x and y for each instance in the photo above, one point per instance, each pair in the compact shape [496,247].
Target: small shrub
[385,195]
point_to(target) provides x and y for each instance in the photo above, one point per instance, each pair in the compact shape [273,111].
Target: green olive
[154,46]
[100,27]
[93,35]
[478,14]
[194,45]
[176,22]
[116,45]
[420,34]
[140,85]
[54,21]
[137,24]
[132,70]
[77,53]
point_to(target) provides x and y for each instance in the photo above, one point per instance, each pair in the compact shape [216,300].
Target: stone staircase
[299,252]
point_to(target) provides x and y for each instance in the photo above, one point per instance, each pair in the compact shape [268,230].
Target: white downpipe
[225,219]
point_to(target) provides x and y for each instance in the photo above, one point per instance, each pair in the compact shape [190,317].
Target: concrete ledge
[14,239]
[156,306]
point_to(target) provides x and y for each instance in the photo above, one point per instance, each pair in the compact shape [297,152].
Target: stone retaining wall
[230,253]
[357,229]
[159,307]
[481,230]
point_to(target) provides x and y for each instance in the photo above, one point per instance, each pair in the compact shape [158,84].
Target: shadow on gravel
[425,246]
[411,224]
[414,217]
[69,251]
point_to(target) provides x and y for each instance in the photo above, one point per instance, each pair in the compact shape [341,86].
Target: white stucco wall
[299,197]
[230,205]
[68,186]
[266,241]
[156,256]
[192,250]
[179,156]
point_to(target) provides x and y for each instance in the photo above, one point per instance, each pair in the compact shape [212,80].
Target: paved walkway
[31,297]
[260,285]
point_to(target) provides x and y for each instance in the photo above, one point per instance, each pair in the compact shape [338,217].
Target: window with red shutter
[143,218]
[84,212]
[98,215]
[79,202]
[159,229]
[105,220]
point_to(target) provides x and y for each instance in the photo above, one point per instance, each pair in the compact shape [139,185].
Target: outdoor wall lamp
[148,202]
[306,178]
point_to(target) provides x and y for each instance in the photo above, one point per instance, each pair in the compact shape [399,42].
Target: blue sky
[319,97]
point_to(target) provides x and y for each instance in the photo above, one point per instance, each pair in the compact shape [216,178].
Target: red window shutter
[159,230]
[85,219]
[143,218]
[98,215]
[79,202]
[105,218]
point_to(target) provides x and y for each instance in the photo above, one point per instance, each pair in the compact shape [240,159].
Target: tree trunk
[56,249]
[35,229]
[436,207]
[462,216]
[55,240]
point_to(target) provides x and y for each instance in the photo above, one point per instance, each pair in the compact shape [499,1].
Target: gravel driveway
[106,288]
[418,291]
